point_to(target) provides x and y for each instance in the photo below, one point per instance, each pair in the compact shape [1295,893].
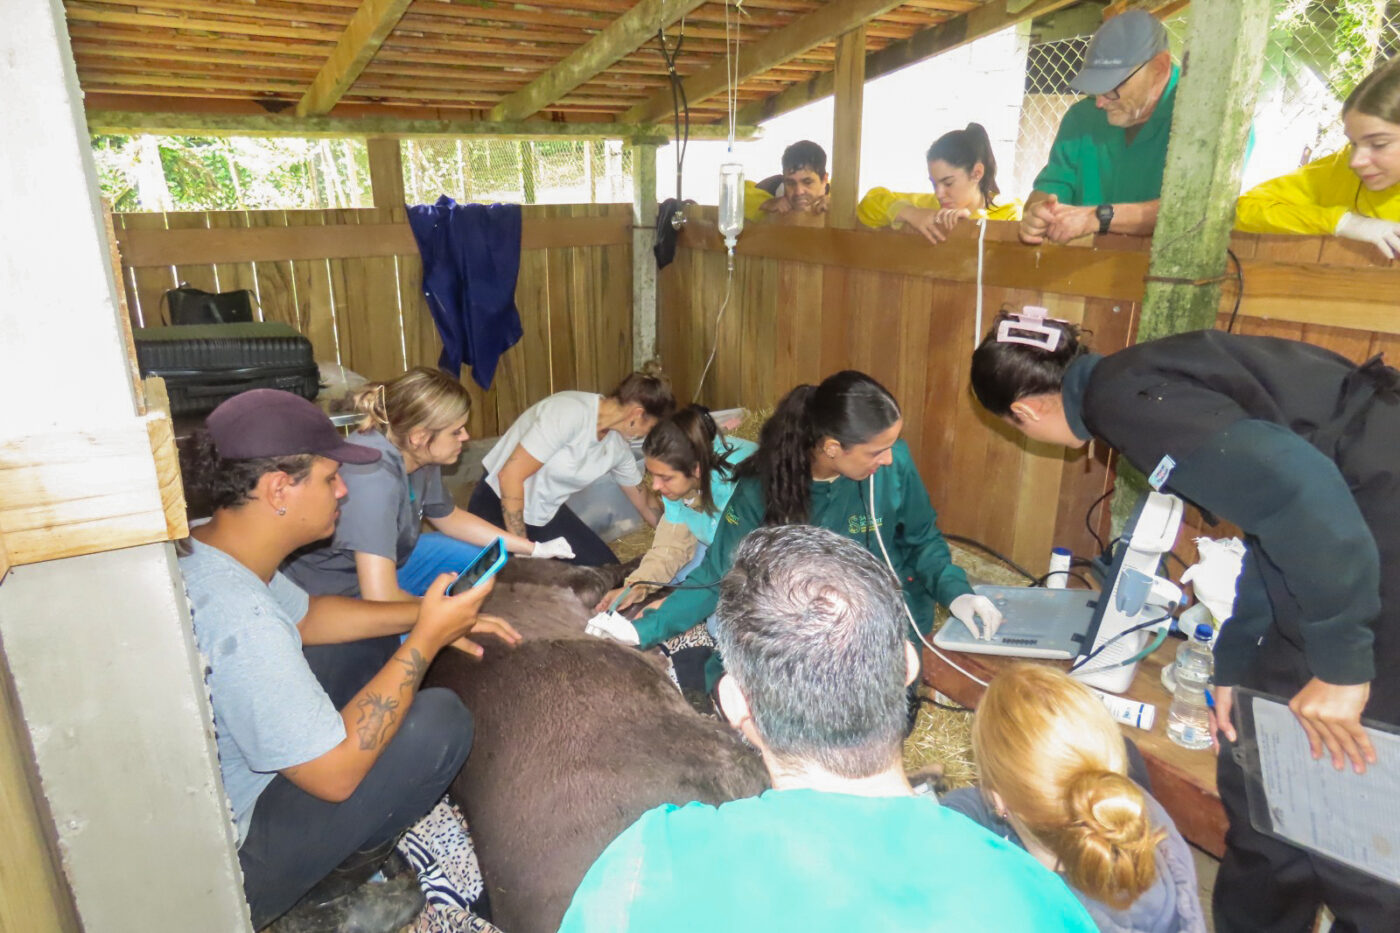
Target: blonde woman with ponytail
[417,422]
[1054,780]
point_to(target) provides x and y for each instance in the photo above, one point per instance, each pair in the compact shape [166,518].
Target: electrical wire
[1075,667]
[680,105]
[1239,290]
[1089,512]
[974,543]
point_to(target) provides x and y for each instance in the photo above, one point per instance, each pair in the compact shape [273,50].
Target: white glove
[1384,235]
[969,607]
[1215,575]
[554,547]
[615,626]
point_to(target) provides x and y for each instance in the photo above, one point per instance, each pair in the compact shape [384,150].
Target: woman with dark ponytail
[831,456]
[1298,447]
[963,172]
[692,465]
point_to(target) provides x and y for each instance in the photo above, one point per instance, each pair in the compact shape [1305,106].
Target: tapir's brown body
[576,737]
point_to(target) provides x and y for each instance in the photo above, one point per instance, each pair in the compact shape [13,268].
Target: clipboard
[1347,817]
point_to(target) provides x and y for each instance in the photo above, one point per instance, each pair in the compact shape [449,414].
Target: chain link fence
[521,171]
[1316,53]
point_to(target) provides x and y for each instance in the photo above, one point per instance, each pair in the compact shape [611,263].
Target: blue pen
[1210,701]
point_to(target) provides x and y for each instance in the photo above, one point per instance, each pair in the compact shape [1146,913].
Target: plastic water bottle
[1188,722]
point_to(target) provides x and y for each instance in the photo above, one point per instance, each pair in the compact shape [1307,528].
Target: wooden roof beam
[622,37]
[236,124]
[363,36]
[935,40]
[775,48]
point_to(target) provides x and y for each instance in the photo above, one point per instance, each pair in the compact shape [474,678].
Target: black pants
[589,549]
[296,839]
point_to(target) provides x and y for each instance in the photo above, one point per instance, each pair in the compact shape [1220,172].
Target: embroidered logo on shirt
[1158,479]
[730,517]
[861,524]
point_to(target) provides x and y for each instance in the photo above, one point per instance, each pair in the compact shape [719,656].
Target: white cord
[728,287]
[731,67]
[981,253]
[909,615]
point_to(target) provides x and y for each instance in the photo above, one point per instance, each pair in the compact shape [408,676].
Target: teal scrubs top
[804,860]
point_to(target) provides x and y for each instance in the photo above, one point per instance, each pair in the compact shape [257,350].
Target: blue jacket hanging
[471,260]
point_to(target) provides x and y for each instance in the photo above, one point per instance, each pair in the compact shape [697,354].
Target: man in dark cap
[1104,174]
[319,795]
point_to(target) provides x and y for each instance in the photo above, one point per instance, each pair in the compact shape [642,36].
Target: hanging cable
[981,253]
[719,318]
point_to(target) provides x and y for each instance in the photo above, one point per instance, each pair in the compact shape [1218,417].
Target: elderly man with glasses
[1104,174]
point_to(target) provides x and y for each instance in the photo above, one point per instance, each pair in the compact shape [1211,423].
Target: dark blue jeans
[589,549]
[296,839]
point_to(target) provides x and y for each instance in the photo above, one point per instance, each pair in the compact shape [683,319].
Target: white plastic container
[1058,576]
[1140,715]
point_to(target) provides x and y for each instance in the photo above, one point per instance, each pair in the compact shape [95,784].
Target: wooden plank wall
[350,280]
[808,302]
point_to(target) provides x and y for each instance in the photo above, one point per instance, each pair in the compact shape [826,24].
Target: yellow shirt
[880,205]
[754,199]
[1313,199]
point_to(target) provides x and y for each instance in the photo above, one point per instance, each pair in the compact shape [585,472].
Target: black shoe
[353,872]
[373,907]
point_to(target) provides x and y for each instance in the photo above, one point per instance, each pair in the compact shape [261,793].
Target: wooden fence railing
[807,302]
[350,280]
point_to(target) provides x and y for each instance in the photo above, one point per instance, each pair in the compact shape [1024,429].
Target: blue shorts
[434,554]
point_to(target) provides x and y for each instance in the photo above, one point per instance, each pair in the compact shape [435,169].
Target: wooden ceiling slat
[284,13]
[363,35]
[173,21]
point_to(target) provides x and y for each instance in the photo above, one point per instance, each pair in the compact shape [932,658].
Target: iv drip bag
[731,201]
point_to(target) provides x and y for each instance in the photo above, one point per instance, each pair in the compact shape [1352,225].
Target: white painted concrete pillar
[643,260]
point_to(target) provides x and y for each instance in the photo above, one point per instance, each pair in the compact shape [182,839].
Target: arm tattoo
[413,667]
[377,716]
[515,521]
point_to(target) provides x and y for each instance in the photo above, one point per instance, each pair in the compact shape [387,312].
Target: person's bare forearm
[1138,219]
[333,620]
[473,529]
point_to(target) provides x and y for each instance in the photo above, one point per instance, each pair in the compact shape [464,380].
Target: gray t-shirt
[381,514]
[270,712]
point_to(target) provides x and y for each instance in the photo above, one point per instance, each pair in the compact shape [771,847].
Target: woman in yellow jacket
[964,175]
[1354,193]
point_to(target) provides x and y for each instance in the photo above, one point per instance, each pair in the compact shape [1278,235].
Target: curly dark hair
[848,406]
[213,482]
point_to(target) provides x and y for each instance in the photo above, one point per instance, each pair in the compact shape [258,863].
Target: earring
[281,511]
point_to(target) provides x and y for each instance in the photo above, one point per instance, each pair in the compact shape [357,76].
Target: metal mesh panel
[1317,51]
[523,171]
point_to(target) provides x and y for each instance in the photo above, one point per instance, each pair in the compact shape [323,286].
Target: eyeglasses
[1116,92]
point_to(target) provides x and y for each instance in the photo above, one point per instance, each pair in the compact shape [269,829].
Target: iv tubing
[981,253]
[728,288]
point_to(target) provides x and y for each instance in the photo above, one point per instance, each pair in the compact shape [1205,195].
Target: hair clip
[1029,327]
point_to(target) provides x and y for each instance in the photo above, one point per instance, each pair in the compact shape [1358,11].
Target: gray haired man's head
[811,628]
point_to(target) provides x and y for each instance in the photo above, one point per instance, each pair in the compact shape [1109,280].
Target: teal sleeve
[920,538]
[1061,174]
[603,900]
[687,608]
[1296,505]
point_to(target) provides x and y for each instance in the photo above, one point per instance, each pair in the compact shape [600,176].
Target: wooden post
[845,141]
[386,171]
[643,260]
[1210,129]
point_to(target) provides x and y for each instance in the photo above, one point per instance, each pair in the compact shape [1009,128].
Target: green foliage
[1337,39]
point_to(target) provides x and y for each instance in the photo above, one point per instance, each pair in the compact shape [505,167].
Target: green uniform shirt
[803,860]
[1093,163]
[906,520]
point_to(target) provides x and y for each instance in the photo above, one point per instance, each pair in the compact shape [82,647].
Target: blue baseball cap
[1120,47]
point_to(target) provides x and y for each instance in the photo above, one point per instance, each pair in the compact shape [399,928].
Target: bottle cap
[1061,551]
[1204,632]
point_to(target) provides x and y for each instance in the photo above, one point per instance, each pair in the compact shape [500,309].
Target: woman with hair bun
[563,443]
[1353,193]
[417,423]
[692,464]
[1297,446]
[1053,769]
[963,172]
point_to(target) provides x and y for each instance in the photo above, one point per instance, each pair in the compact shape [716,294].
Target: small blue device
[491,559]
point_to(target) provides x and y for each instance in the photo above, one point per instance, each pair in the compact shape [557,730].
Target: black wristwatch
[1104,212]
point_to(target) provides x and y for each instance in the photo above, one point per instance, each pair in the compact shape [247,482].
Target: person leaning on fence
[813,628]
[1354,193]
[318,795]
[802,188]
[963,172]
[1104,173]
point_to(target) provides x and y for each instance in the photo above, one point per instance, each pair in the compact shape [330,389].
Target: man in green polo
[1104,174]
